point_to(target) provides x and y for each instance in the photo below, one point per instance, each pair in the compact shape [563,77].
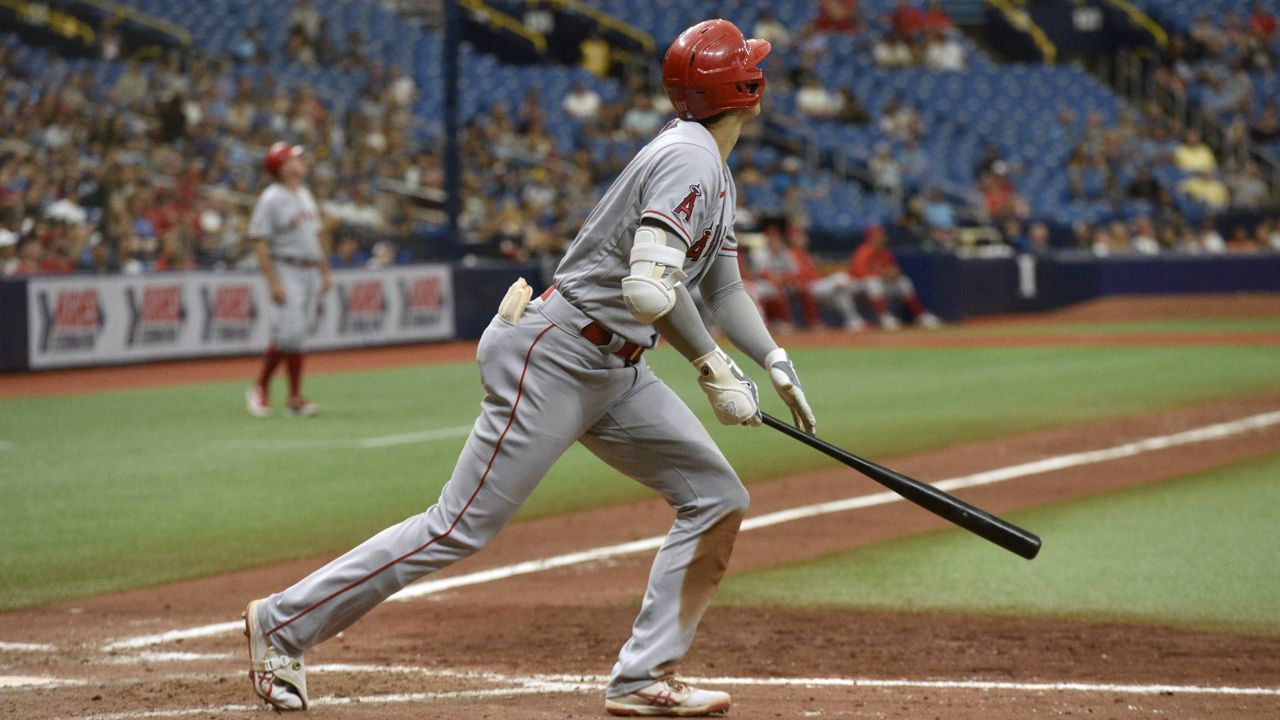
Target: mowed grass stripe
[1199,550]
[113,491]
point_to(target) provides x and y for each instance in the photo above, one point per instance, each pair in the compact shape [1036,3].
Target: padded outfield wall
[81,320]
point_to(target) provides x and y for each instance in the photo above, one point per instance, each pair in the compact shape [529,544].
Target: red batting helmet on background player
[278,155]
[711,68]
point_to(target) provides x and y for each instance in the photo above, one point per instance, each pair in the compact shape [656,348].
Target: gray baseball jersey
[289,221]
[547,387]
[678,180]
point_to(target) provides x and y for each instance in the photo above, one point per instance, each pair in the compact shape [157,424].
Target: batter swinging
[567,368]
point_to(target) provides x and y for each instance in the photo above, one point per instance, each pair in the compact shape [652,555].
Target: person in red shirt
[804,275]
[875,269]
[906,19]
[1262,23]
[935,18]
[837,16]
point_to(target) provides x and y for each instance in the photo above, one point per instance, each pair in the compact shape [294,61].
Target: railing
[606,20]
[503,21]
[1142,20]
[159,24]
[1021,19]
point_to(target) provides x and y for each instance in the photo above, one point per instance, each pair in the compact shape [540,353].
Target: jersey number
[696,249]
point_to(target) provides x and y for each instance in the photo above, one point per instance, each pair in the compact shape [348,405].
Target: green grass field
[1199,550]
[124,489]
[1180,326]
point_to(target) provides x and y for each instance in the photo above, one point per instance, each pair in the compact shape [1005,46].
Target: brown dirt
[572,620]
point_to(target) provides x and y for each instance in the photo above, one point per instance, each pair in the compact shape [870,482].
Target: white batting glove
[787,383]
[732,394]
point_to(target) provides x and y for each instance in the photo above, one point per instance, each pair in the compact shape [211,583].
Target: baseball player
[874,269]
[285,230]
[568,367]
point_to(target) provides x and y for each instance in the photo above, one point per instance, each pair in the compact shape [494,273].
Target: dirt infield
[535,645]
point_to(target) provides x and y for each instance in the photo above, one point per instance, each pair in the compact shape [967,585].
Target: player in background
[875,270]
[285,231]
[568,367]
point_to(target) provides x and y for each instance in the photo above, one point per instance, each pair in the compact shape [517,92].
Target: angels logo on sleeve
[685,208]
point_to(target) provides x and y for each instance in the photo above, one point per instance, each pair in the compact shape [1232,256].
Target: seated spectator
[852,111]
[942,51]
[1240,243]
[815,101]
[1204,188]
[30,255]
[838,16]
[249,48]
[1211,241]
[597,56]
[581,103]
[1230,94]
[642,119]
[1143,239]
[914,162]
[1193,155]
[768,27]
[939,214]
[1248,189]
[1266,129]
[305,19]
[900,122]
[875,268]
[384,255]
[347,253]
[886,173]
[893,50]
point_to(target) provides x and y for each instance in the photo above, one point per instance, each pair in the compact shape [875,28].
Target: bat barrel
[976,520]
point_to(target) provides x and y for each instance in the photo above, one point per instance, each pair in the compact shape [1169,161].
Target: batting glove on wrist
[787,383]
[732,394]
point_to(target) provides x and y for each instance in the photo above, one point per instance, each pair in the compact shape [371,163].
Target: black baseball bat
[951,508]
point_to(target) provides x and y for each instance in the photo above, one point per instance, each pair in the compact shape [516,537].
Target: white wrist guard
[649,291]
[732,394]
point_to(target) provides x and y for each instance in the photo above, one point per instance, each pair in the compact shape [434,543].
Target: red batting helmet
[711,68]
[278,154]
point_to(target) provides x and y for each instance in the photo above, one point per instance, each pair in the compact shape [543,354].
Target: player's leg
[906,290]
[809,302]
[538,401]
[876,295]
[258,396]
[307,284]
[838,290]
[653,437]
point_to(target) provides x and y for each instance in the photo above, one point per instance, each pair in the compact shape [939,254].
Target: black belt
[602,336]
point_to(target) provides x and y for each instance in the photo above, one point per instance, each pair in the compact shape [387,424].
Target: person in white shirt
[582,103]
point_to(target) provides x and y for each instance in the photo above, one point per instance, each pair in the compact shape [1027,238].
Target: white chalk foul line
[369,443]
[27,647]
[515,685]
[1216,431]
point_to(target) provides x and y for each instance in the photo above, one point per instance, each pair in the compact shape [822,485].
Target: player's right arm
[260,229]
[675,202]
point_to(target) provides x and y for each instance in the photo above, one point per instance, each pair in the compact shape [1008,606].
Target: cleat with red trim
[256,402]
[301,407]
[669,697]
[280,680]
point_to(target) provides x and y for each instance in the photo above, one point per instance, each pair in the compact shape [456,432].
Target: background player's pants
[840,290]
[880,291]
[291,322]
[547,387]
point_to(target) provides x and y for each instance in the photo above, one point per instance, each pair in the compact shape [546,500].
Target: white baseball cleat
[855,325]
[280,680]
[929,321]
[889,322]
[301,407]
[669,698]
[255,401]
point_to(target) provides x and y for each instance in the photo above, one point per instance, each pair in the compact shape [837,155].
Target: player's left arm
[736,313]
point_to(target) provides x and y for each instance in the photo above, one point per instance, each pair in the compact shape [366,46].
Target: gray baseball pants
[545,388]
[291,322]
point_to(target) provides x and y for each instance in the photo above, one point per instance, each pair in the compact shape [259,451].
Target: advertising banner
[77,320]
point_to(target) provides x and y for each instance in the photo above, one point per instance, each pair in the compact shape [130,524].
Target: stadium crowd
[157,171]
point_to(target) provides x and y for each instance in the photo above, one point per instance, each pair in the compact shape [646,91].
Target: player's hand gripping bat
[975,520]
